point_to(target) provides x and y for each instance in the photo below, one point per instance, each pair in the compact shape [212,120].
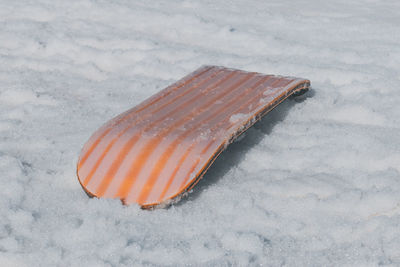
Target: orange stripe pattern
[156,151]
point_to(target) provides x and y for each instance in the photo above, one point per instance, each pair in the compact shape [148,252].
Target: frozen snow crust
[314,183]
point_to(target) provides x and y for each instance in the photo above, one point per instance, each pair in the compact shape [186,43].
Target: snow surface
[316,182]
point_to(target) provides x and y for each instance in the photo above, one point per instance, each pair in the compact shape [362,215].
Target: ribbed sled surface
[159,149]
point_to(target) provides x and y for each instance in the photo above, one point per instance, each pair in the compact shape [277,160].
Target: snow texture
[316,182]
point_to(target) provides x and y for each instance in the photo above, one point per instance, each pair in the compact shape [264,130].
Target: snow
[316,182]
[238,117]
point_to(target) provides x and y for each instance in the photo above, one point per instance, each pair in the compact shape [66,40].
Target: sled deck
[158,150]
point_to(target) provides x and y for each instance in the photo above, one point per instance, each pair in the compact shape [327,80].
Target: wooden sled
[158,150]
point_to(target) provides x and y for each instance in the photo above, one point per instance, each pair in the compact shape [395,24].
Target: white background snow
[317,182]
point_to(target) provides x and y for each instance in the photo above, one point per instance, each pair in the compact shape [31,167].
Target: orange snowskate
[158,150]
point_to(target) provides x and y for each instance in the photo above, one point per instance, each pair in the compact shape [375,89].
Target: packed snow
[316,182]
